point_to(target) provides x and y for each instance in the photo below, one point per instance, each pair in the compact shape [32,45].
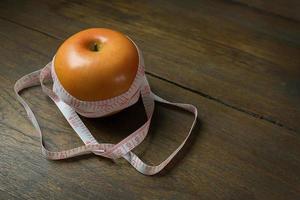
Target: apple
[96,64]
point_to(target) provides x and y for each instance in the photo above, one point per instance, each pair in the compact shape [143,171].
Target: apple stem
[95,47]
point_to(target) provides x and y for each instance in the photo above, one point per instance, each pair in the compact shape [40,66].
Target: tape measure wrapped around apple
[98,72]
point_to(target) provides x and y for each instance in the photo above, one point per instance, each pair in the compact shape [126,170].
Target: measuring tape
[70,106]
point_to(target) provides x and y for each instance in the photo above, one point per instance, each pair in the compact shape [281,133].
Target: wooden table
[237,61]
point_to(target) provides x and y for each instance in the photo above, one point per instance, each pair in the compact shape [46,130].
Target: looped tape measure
[70,106]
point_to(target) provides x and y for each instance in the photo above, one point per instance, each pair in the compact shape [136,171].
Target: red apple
[96,64]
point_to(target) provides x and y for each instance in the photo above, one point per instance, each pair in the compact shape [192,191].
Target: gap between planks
[261,11]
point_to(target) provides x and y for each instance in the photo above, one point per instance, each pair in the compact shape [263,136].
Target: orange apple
[96,64]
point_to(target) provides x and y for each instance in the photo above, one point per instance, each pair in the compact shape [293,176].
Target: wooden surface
[237,61]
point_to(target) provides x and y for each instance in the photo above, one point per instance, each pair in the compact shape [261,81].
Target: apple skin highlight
[96,64]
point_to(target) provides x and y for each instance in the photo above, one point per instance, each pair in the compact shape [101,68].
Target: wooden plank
[231,155]
[288,8]
[238,57]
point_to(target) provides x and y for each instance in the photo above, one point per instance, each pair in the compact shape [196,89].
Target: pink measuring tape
[70,106]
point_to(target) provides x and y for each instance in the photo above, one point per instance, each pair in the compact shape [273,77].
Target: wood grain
[244,59]
[288,9]
[232,154]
